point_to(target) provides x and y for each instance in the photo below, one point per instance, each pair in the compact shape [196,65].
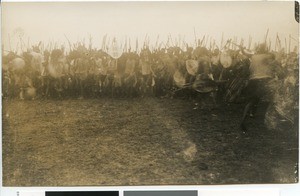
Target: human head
[261,48]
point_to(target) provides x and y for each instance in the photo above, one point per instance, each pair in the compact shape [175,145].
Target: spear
[285,44]
[171,39]
[145,41]
[159,46]
[68,42]
[28,42]
[235,41]
[195,36]
[136,44]
[242,43]
[90,42]
[17,48]
[276,42]
[168,42]
[20,42]
[148,42]
[202,40]
[83,41]
[9,42]
[103,42]
[266,35]
[107,45]
[279,42]
[129,44]
[121,46]
[293,38]
[249,43]
[222,40]
[156,43]
[183,39]
[206,41]
[51,46]
[125,45]
[289,43]
[176,42]
[42,47]
[179,40]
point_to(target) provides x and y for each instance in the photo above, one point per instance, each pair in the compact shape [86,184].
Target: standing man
[146,70]
[263,70]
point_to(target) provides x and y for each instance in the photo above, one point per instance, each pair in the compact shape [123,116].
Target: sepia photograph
[149,93]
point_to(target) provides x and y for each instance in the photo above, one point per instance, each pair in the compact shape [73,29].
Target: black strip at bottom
[82,193]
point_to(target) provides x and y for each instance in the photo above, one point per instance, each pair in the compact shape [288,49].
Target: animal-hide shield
[17,65]
[179,79]
[204,84]
[225,59]
[192,67]
[115,51]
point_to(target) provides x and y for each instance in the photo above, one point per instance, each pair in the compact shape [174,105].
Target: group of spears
[220,73]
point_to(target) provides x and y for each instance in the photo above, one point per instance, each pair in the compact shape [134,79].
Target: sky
[53,22]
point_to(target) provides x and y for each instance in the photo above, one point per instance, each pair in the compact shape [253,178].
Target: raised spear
[145,40]
[125,49]
[171,40]
[222,39]
[289,43]
[104,42]
[156,43]
[195,36]
[276,44]
[90,42]
[136,44]
[70,45]
[285,44]
[202,40]
[266,36]
[129,43]
[279,42]
[9,42]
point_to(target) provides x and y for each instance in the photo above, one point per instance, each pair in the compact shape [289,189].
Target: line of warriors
[165,72]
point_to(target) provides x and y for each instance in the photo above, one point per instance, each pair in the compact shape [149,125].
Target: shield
[192,67]
[115,51]
[204,84]
[225,59]
[179,79]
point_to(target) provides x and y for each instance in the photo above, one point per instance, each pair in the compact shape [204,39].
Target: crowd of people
[84,72]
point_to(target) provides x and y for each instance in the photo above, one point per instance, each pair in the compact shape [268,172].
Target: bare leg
[246,110]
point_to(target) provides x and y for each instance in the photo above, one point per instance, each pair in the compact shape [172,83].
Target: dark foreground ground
[140,142]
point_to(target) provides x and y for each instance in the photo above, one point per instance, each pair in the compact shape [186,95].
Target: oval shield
[225,60]
[192,67]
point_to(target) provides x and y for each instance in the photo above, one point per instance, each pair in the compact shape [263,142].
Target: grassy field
[139,141]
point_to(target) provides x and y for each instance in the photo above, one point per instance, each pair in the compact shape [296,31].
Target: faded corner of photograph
[149,93]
